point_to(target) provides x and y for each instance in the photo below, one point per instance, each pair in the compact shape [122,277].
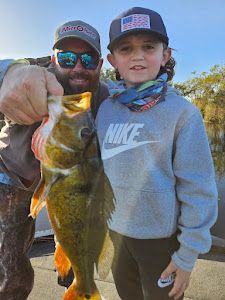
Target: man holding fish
[75,65]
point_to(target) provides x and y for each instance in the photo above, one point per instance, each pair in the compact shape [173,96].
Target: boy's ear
[111,60]
[167,53]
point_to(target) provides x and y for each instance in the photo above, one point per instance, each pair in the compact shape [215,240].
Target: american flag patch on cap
[135,21]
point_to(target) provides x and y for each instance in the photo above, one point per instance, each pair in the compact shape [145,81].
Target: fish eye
[85,133]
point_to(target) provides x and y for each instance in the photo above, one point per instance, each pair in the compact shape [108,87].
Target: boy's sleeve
[196,190]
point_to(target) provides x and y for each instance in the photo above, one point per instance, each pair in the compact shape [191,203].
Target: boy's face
[138,58]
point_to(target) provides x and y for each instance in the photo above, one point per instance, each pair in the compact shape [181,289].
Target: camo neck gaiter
[140,97]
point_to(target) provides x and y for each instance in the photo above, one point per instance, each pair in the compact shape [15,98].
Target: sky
[195,28]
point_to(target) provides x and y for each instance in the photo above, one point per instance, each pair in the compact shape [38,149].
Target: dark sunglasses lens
[89,61]
[67,60]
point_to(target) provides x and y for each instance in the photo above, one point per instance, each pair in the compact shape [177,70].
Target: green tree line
[207,91]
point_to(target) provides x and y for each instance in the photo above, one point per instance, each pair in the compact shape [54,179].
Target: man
[75,68]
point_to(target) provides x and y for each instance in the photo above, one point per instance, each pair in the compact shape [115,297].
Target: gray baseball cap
[137,19]
[78,29]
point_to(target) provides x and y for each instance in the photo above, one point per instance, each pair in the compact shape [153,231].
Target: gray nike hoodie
[161,170]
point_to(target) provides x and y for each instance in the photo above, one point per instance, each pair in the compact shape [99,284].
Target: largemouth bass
[76,192]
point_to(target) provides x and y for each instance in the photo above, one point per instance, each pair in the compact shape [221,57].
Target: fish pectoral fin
[62,262]
[105,258]
[37,201]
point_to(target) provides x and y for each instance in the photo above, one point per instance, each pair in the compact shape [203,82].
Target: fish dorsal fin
[105,258]
[38,200]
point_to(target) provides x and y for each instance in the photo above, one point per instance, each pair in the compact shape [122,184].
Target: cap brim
[75,37]
[133,31]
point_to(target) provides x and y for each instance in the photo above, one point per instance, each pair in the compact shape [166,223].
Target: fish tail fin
[73,293]
[36,204]
[61,261]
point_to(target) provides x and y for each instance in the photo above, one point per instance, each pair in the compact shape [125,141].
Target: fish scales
[76,192]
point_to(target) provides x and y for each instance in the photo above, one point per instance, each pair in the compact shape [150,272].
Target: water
[216,135]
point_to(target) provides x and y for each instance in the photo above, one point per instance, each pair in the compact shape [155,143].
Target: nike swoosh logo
[108,153]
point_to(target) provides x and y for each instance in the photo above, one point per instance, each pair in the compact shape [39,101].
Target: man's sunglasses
[68,60]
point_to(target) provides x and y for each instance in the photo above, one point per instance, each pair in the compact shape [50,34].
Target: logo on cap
[79,28]
[135,21]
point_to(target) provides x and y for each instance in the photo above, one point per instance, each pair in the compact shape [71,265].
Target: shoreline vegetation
[207,91]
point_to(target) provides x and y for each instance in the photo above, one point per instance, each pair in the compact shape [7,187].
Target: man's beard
[76,89]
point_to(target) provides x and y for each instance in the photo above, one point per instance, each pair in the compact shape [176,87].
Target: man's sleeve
[17,160]
[4,65]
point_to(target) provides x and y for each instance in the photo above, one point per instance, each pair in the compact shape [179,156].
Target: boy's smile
[137,67]
[138,58]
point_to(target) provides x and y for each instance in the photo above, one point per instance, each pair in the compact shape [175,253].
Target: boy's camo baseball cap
[137,19]
[81,30]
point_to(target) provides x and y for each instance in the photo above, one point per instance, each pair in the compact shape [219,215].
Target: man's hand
[181,280]
[24,91]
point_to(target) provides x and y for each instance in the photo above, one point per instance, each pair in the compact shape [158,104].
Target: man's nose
[78,66]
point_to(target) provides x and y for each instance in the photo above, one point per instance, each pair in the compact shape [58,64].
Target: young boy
[156,154]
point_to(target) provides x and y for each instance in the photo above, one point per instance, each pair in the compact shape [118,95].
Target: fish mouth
[77,102]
